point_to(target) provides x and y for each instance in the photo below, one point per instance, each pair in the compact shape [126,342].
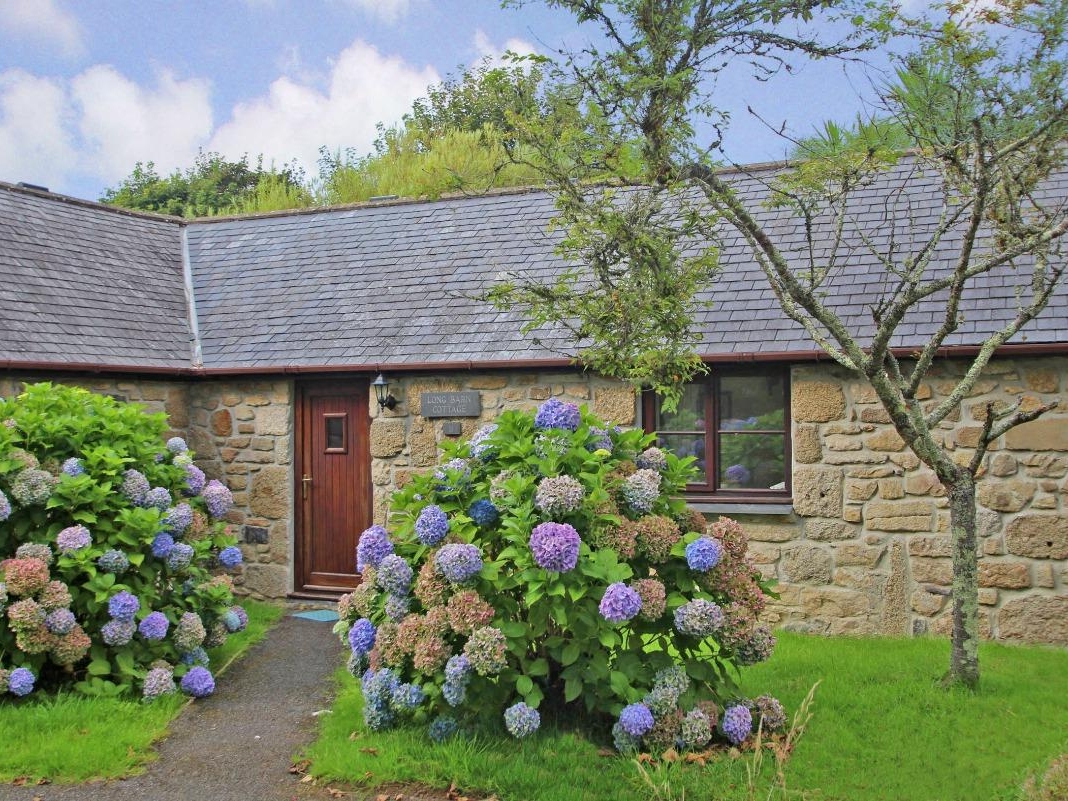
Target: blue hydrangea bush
[113,551]
[548,566]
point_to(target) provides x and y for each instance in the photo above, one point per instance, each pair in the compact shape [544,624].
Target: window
[735,423]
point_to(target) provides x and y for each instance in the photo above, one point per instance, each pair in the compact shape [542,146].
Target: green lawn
[882,729]
[71,738]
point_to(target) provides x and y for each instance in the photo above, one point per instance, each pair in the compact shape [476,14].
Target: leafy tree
[211,186]
[461,137]
[981,94]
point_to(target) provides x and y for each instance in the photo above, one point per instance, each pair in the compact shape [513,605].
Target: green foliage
[69,737]
[86,446]
[882,730]
[562,654]
[213,185]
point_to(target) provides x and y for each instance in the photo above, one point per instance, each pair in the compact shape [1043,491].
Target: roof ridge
[46,194]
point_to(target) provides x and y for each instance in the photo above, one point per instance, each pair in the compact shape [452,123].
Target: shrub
[549,564]
[109,550]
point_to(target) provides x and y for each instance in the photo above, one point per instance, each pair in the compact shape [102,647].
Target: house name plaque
[450,404]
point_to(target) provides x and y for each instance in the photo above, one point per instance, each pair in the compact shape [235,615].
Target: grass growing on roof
[883,729]
[72,738]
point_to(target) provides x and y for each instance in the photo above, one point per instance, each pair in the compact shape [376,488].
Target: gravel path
[237,745]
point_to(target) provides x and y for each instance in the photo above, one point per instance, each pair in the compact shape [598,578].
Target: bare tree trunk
[964,658]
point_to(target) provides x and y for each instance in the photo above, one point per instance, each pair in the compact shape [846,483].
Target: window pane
[748,402]
[335,433]
[751,461]
[690,415]
[683,445]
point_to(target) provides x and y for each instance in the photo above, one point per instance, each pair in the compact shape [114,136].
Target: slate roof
[390,284]
[82,284]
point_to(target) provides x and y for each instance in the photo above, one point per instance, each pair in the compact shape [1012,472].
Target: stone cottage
[260,337]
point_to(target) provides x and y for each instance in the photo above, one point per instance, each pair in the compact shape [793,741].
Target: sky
[90,87]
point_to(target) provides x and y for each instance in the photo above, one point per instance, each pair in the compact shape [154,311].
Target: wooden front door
[333,484]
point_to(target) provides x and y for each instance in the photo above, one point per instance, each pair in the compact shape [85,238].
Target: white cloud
[42,21]
[122,123]
[486,49]
[35,142]
[97,125]
[389,11]
[295,118]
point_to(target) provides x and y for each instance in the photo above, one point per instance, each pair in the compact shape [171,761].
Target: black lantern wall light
[382,393]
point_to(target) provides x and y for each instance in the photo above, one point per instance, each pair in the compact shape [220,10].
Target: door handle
[304,482]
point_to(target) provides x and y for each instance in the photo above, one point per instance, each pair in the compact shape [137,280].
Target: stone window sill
[744,508]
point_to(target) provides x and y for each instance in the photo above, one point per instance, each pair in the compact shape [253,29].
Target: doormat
[322,615]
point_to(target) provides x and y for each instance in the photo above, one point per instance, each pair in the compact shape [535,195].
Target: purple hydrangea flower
[73,538]
[194,480]
[483,512]
[135,487]
[641,490]
[61,621]
[600,439]
[32,487]
[458,670]
[117,632]
[20,682]
[162,545]
[651,459]
[218,499]
[756,647]
[235,619]
[737,723]
[158,681]
[454,693]
[154,626]
[703,554]
[113,561]
[178,519]
[177,445]
[362,636]
[442,728]
[619,603]
[460,470]
[768,713]
[372,547]
[180,557]
[408,696]
[432,525]
[481,448]
[394,575]
[559,495]
[5,507]
[397,606]
[555,413]
[158,498]
[520,720]
[699,618]
[123,605]
[230,557]
[198,682]
[198,656]
[555,546]
[738,473]
[73,466]
[636,720]
[458,562]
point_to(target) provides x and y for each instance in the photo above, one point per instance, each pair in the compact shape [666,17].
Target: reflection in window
[335,433]
[734,425]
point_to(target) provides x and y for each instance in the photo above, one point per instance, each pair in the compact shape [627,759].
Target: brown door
[333,484]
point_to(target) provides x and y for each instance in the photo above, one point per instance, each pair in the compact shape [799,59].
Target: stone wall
[242,432]
[867,549]
[403,443]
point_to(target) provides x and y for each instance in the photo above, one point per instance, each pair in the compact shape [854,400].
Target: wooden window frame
[709,491]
